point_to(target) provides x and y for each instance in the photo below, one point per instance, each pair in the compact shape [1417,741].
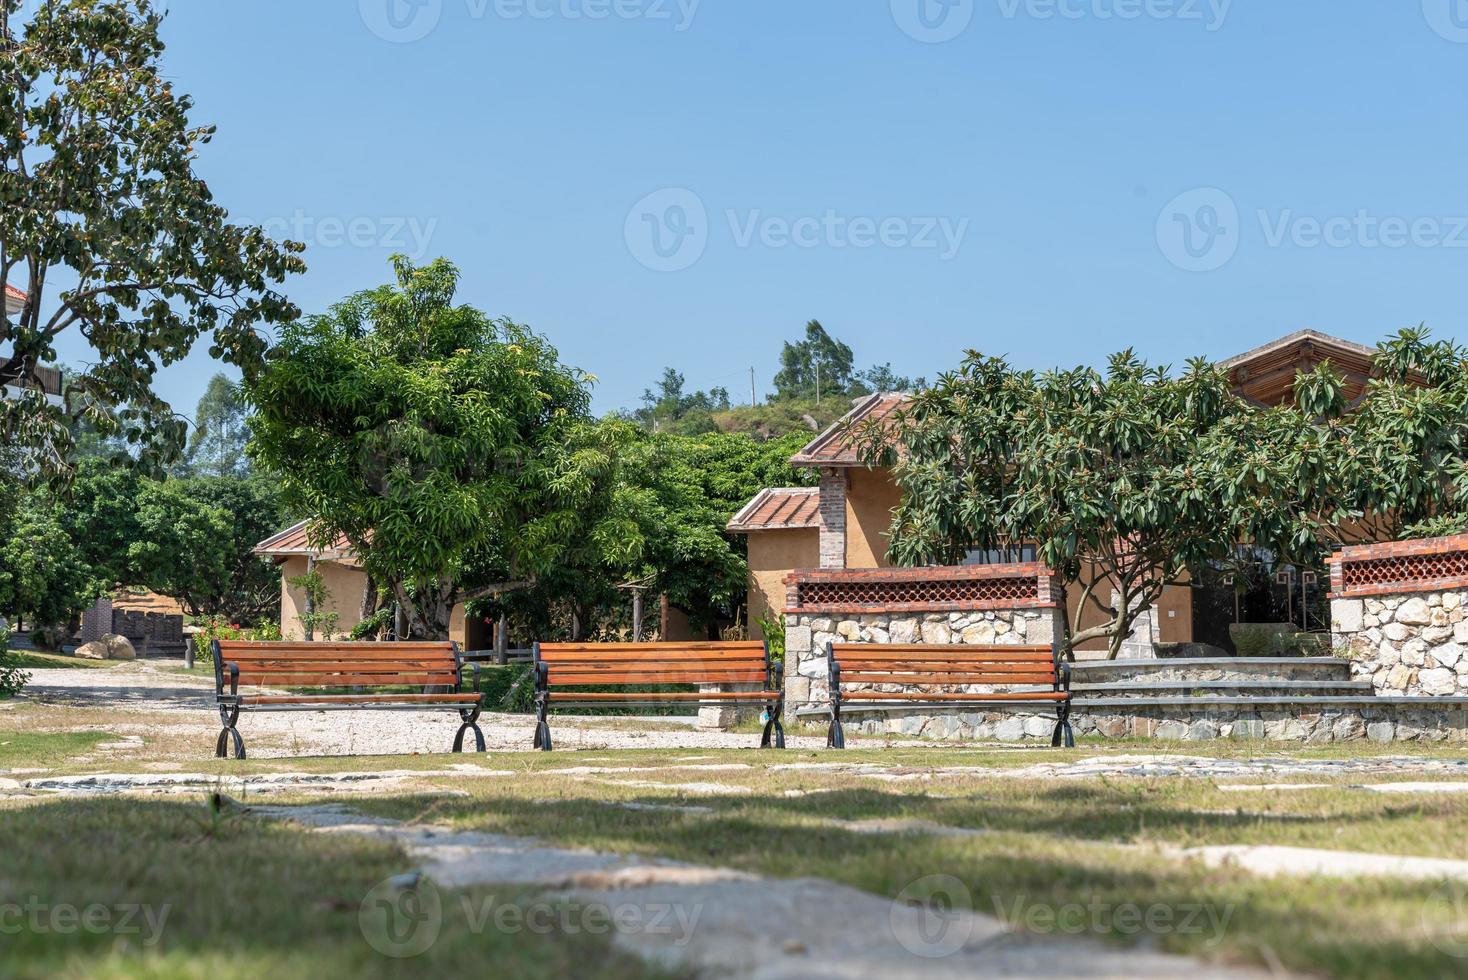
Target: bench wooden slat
[960,655]
[346,680]
[954,647]
[558,678]
[360,699]
[856,677]
[328,656]
[655,696]
[702,645]
[655,656]
[946,667]
[1010,696]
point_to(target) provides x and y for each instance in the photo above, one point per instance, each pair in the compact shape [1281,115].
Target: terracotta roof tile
[295,541]
[779,509]
[14,299]
[834,446]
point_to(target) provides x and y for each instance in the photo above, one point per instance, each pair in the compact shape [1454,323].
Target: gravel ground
[152,687]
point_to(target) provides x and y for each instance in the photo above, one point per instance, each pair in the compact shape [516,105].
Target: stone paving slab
[1270,859]
[749,927]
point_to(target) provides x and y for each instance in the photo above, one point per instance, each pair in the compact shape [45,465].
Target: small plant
[774,630]
[12,678]
[313,620]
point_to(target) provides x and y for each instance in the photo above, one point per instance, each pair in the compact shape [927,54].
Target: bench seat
[333,666]
[565,671]
[942,675]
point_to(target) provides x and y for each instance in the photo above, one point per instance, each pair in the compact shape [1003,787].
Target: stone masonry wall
[1415,645]
[807,637]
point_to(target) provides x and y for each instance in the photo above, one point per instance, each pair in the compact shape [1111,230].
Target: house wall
[772,556]
[344,585]
[871,496]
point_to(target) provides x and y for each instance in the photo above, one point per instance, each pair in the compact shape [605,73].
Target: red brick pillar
[833,518]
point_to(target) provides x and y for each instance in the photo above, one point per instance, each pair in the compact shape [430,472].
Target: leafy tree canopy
[425,432]
[217,444]
[106,227]
[1103,472]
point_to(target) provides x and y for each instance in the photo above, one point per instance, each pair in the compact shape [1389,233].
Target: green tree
[423,431]
[1103,472]
[817,365]
[100,515]
[111,233]
[669,408]
[217,444]
[1328,471]
[43,580]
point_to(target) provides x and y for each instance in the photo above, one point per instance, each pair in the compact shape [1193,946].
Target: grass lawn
[159,890]
[1042,848]
[33,659]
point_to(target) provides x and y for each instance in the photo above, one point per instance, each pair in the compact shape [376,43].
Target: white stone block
[1346,615]
[1438,682]
[1414,612]
[797,639]
[937,633]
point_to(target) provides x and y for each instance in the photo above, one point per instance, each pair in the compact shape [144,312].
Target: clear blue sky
[1052,133]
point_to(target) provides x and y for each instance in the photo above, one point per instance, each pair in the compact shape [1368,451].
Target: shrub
[12,678]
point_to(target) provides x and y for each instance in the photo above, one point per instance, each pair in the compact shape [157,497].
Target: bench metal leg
[469,717]
[774,727]
[1062,728]
[229,716]
[542,725]
[835,735]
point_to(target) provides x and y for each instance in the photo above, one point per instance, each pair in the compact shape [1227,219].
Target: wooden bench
[329,666]
[564,670]
[943,673]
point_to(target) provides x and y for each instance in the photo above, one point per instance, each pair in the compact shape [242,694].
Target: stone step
[1185,670]
[1086,692]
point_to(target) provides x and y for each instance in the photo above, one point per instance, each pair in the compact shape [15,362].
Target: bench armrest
[474,668]
[1062,677]
[234,679]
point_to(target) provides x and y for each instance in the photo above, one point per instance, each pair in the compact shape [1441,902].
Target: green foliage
[1101,471]
[802,417]
[817,364]
[43,579]
[98,192]
[12,679]
[424,432]
[217,445]
[668,408]
[1323,473]
[194,540]
[211,628]
[314,620]
[1437,527]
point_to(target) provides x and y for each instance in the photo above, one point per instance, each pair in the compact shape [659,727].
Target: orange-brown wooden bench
[564,671]
[329,667]
[944,676]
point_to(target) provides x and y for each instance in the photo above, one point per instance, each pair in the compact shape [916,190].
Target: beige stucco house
[844,523]
[346,586]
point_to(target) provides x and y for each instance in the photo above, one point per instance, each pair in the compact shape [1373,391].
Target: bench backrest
[295,664]
[723,662]
[926,663]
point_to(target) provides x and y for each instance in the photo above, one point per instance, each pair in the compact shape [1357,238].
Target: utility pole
[751,387]
[818,382]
